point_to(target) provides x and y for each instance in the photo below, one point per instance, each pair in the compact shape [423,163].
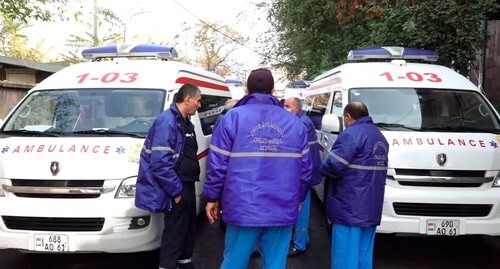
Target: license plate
[443,227]
[51,242]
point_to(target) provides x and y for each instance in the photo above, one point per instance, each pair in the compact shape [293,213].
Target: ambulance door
[316,105]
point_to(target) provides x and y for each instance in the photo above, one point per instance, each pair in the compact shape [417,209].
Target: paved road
[390,253]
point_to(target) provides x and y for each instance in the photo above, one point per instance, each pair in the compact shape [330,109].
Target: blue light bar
[299,84]
[130,50]
[234,82]
[392,53]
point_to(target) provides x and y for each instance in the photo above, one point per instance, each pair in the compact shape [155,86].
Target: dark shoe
[293,252]
[255,254]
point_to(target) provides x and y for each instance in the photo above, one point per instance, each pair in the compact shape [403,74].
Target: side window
[338,108]
[210,110]
[315,107]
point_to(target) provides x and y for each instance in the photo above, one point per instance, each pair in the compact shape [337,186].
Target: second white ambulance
[444,156]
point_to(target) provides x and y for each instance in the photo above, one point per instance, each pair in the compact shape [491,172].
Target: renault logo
[441,159]
[54,168]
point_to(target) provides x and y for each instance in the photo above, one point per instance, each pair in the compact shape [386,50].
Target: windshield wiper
[29,133]
[108,133]
[388,126]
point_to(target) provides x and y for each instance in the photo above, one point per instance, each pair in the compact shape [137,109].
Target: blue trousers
[301,233]
[352,247]
[240,242]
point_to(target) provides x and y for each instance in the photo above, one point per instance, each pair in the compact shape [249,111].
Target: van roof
[395,74]
[125,73]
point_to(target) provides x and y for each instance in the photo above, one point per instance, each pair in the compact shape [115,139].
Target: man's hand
[212,210]
[177,199]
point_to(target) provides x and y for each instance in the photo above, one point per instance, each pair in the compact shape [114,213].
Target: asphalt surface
[391,252]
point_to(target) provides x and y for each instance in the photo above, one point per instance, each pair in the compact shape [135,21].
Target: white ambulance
[444,155]
[69,151]
[297,88]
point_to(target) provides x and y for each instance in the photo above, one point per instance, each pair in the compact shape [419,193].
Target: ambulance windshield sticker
[268,136]
[135,152]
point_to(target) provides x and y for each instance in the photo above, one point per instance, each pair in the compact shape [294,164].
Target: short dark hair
[260,81]
[185,90]
[356,110]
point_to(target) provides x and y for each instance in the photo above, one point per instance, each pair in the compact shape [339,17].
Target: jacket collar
[177,113]
[366,119]
[259,98]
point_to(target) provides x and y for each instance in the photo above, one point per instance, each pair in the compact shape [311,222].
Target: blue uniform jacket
[259,164]
[157,180]
[357,170]
[312,139]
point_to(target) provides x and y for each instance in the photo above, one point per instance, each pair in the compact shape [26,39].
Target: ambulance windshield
[87,111]
[428,109]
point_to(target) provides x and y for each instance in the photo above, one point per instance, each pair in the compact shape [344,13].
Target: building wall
[9,97]
[492,63]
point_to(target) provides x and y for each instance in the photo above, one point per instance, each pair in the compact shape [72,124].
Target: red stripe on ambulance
[203,154]
[201,83]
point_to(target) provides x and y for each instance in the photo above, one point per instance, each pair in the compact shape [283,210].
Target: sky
[160,20]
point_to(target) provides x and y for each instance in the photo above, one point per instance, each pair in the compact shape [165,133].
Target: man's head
[353,111]
[188,99]
[292,104]
[260,81]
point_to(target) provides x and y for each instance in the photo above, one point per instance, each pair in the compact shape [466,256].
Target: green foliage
[217,43]
[13,43]
[315,35]
[22,10]
[103,18]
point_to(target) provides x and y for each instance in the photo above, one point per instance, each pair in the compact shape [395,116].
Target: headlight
[496,181]
[127,188]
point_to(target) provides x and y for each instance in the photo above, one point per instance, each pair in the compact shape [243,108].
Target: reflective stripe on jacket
[259,164]
[356,169]
[157,180]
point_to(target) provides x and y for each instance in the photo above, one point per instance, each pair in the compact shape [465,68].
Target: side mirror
[330,123]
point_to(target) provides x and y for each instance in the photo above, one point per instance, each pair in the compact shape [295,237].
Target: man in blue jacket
[356,169]
[301,228]
[259,167]
[168,170]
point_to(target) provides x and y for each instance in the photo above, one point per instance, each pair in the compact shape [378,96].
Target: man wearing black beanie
[259,168]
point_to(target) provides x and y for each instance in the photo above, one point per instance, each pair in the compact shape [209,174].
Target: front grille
[442,210]
[439,184]
[54,224]
[440,173]
[56,183]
